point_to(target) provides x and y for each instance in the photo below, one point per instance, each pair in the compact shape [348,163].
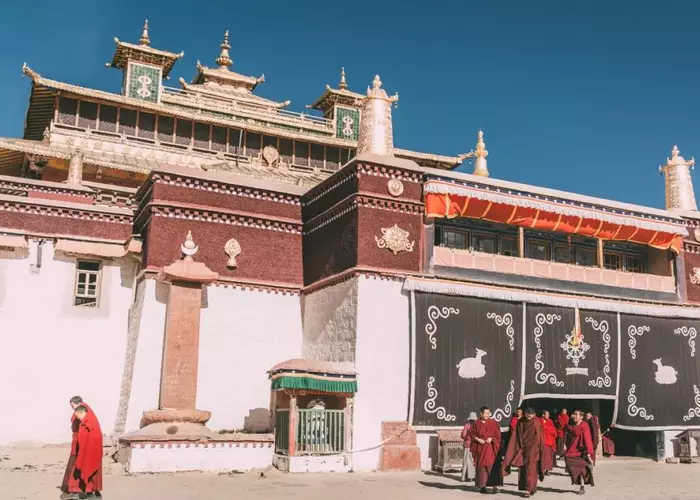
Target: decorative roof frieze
[390,173]
[53,208]
[221,216]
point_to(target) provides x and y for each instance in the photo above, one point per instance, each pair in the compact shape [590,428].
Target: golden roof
[341,95]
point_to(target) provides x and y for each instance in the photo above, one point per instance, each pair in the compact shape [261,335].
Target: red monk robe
[562,423]
[550,444]
[525,450]
[68,475]
[485,453]
[594,426]
[87,473]
[608,446]
[579,447]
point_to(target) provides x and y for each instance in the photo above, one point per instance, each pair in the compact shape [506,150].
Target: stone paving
[35,473]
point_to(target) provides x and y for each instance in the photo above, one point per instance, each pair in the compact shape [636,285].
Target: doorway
[627,443]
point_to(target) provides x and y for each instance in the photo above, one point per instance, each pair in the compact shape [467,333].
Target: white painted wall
[242,335]
[382,361]
[51,350]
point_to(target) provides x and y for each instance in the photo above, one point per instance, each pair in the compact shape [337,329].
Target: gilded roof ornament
[480,154]
[376,129]
[224,59]
[680,195]
[145,40]
[377,92]
[189,247]
[343,85]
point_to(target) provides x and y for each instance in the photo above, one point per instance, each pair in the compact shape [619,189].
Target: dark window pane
[585,257]
[539,250]
[486,243]
[183,132]
[127,122]
[612,261]
[268,140]
[67,109]
[85,265]
[108,118]
[456,239]
[301,153]
[509,246]
[147,125]
[317,154]
[252,144]
[166,127]
[201,135]
[286,151]
[218,139]
[564,253]
[332,158]
[88,115]
[634,264]
[234,139]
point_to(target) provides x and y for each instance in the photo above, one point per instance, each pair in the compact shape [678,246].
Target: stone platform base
[222,455]
[329,463]
[400,451]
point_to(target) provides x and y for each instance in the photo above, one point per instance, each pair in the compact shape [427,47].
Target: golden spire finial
[343,84]
[480,154]
[224,60]
[376,133]
[145,40]
[377,83]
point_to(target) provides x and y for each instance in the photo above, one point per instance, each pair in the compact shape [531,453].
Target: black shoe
[582,491]
[482,490]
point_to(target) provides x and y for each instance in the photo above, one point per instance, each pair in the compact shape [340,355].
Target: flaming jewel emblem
[576,349]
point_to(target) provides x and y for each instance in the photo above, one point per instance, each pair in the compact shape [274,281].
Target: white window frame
[98,285]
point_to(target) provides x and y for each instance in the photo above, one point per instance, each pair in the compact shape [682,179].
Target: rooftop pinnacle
[224,60]
[145,40]
[343,84]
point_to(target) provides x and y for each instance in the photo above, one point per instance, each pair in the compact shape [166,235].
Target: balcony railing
[467,259]
[212,103]
[282,431]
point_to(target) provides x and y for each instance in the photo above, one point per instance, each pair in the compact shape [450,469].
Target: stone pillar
[75,168]
[376,129]
[293,420]
[178,385]
[680,195]
[349,407]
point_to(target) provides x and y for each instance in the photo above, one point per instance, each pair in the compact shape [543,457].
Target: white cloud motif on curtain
[603,328]
[434,312]
[540,376]
[633,410]
[431,406]
[638,331]
[507,410]
[691,333]
[507,320]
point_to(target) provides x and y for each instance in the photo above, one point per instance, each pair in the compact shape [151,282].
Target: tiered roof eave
[143,53]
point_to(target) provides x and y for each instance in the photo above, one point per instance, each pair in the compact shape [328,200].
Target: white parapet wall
[224,456]
[312,464]
[51,349]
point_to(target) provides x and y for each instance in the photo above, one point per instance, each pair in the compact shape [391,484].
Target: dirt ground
[35,474]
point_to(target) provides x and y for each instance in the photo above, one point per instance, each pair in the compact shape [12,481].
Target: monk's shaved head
[530,411]
[81,410]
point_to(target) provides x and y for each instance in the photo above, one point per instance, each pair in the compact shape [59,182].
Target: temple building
[231,284]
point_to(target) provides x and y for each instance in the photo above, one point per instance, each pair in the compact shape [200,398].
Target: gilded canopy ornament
[395,239]
[233,250]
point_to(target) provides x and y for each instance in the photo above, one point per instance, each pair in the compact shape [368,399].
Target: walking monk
[562,423]
[525,450]
[86,477]
[75,401]
[550,443]
[594,424]
[579,450]
[485,443]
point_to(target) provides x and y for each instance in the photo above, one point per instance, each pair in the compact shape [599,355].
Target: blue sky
[584,96]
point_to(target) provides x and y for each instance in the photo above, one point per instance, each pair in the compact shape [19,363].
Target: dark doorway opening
[627,443]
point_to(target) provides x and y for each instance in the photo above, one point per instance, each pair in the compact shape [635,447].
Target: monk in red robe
[550,443]
[485,443]
[579,449]
[525,450]
[514,420]
[75,401]
[594,424]
[562,423]
[86,476]
[608,445]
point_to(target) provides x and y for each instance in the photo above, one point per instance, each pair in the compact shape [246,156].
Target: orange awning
[450,200]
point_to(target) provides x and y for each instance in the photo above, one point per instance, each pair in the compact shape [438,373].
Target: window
[486,243]
[88,115]
[509,246]
[564,253]
[540,250]
[612,261]
[455,239]
[127,122]
[108,118]
[585,257]
[87,283]
[634,264]
[67,111]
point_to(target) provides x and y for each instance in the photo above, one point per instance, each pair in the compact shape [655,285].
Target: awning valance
[90,248]
[311,375]
[450,200]
[12,241]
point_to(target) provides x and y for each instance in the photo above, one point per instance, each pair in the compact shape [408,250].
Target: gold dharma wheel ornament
[395,187]
[233,250]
